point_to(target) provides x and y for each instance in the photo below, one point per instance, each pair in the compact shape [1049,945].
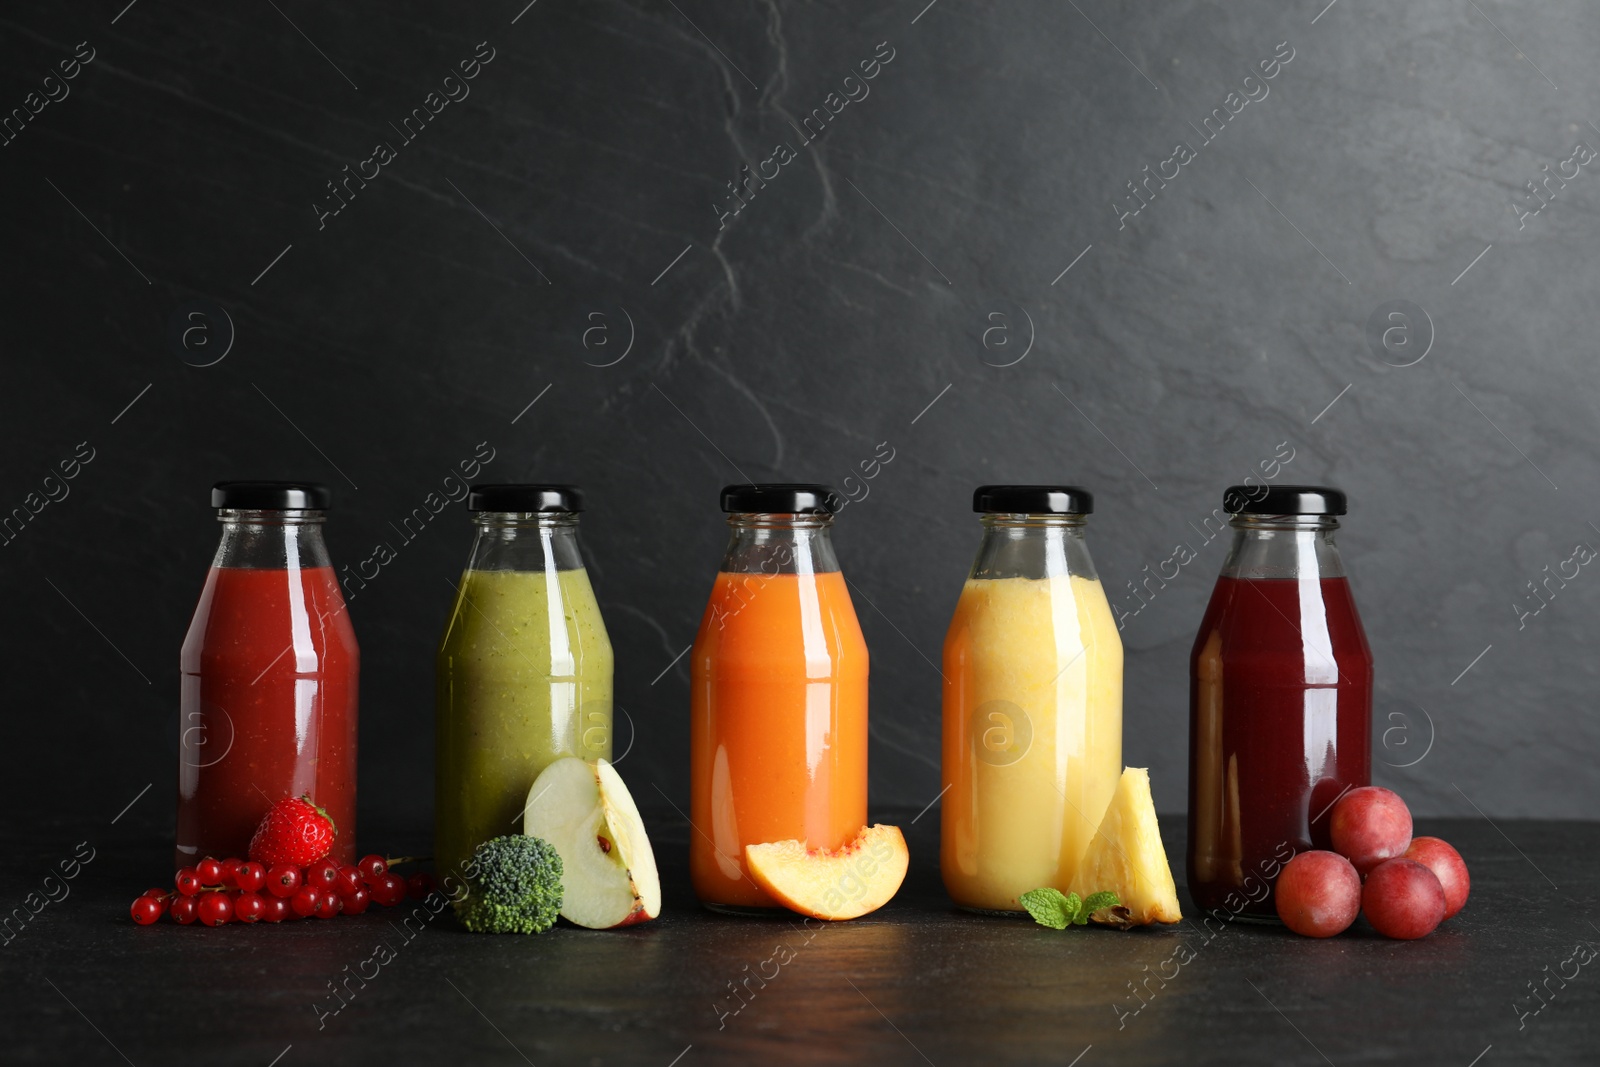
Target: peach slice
[857,877]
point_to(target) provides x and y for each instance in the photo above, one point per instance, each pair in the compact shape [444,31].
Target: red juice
[1280,713]
[268,707]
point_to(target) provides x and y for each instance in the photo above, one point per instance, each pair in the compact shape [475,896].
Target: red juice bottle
[1280,698]
[268,707]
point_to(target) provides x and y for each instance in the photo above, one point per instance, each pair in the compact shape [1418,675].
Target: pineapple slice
[1126,856]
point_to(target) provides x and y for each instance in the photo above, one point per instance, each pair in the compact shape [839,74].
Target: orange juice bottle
[778,717]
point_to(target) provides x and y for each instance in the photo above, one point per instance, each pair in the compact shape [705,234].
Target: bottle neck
[287,539]
[1033,546]
[773,543]
[525,541]
[1283,546]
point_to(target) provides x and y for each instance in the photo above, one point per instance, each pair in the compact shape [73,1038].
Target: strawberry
[294,831]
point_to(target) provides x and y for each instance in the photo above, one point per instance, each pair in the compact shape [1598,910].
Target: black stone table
[916,983]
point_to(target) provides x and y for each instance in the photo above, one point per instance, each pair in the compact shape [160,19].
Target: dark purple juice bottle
[1280,699]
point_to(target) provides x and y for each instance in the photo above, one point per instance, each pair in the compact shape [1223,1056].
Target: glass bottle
[270,666]
[778,706]
[524,669]
[1280,698]
[1032,736]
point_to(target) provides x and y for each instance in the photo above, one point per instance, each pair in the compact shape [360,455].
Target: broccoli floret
[514,887]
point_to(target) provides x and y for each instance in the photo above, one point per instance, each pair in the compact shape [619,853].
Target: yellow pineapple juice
[1032,734]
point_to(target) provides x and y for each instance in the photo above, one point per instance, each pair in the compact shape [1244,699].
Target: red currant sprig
[217,892]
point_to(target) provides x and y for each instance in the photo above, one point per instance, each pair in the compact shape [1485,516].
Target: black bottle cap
[1033,500]
[775,498]
[270,496]
[1283,500]
[525,498]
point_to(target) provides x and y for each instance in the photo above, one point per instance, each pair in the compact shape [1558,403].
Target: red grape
[1370,824]
[184,910]
[305,900]
[250,876]
[1402,899]
[187,881]
[1318,894]
[215,909]
[324,874]
[248,907]
[1447,866]
[373,867]
[283,880]
[146,910]
[209,871]
[357,902]
[275,909]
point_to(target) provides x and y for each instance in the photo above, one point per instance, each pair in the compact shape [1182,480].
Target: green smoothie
[524,678]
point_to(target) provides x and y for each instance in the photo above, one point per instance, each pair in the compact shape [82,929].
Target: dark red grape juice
[1280,724]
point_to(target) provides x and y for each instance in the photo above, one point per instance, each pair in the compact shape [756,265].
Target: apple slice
[859,876]
[609,873]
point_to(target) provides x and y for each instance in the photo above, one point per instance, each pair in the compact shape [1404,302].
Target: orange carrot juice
[778,743]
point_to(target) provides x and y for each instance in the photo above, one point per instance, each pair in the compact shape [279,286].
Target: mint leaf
[1103,899]
[1050,908]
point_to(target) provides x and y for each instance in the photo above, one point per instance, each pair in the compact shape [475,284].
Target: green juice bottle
[523,670]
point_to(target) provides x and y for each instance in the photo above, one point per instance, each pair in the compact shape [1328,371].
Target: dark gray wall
[890,266]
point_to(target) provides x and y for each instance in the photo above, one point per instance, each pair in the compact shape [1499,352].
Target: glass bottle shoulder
[514,609]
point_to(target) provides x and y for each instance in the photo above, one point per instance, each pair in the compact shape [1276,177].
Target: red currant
[373,867]
[184,910]
[275,909]
[356,903]
[215,909]
[283,880]
[188,881]
[349,881]
[305,900]
[389,890]
[419,885]
[209,871]
[230,872]
[146,910]
[250,876]
[324,874]
[328,905]
[163,893]
[249,907]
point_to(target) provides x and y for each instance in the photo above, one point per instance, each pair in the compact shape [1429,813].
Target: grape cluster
[215,892]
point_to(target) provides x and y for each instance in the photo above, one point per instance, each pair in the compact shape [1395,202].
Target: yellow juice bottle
[1032,732]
